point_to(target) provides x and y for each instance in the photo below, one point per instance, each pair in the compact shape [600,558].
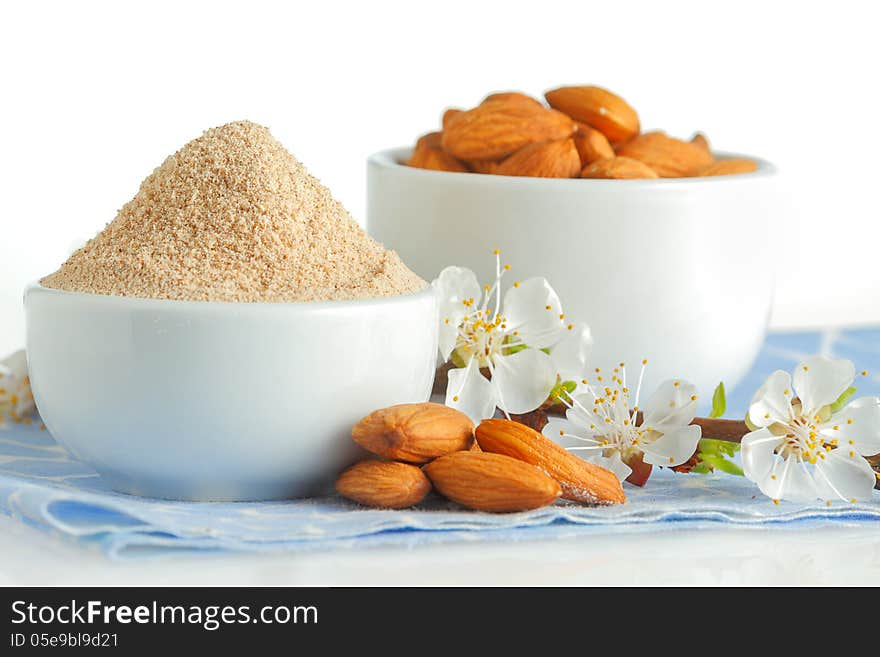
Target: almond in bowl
[662,245]
[582,132]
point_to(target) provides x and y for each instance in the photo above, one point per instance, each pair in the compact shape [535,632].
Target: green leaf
[730,468]
[727,448]
[840,402]
[719,401]
[562,390]
[714,455]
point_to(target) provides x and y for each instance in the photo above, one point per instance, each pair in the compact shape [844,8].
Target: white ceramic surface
[679,270]
[222,401]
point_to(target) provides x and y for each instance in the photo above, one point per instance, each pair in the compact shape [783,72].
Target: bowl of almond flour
[219,338]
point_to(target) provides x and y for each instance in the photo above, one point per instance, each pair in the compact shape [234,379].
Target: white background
[93,96]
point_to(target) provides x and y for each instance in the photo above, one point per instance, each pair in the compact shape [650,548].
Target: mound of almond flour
[232,216]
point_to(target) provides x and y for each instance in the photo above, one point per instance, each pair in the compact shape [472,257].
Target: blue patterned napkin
[43,486]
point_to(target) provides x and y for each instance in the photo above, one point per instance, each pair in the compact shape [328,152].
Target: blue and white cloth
[45,487]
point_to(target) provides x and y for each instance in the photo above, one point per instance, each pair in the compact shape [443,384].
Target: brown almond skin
[414,433]
[552,159]
[667,156]
[483,166]
[580,481]
[448,116]
[516,96]
[618,168]
[496,129]
[591,145]
[430,139]
[384,484]
[491,482]
[429,155]
[728,166]
[597,107]
[701,140]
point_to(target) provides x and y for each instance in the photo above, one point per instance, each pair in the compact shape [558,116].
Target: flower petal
[788,480]
[447,335]
[571,435]
[844,475]
[532,308]
[672,405]
[16,397]
[858,422]
[471,393]
[820,380]
[571,353]
[615,464]
[772,401]
[15,364]
[523,380]
[673,448]
[453,286]
[758,453]
[581,411]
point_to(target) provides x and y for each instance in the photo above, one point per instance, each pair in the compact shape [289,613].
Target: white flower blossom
[16,398]
[801,449]
[605,425]
[521,340]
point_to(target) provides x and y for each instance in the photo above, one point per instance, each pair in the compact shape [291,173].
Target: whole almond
[429,155]
[667,156]
[699,139]
[552,159]
[491,482]
[597,107]
[448,117]
[384,484]
[728,166]
[430,139]
[618,168]
[516,96]
[483,166]
[415,433]
[494,130]
[580,481]
[591,145]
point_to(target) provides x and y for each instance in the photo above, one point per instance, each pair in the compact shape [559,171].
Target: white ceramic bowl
[676,270]
[222,401]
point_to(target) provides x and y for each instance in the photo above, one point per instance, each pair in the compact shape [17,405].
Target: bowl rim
[148,303]
[392,158]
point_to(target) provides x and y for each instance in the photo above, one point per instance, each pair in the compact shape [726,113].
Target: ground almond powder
[232,216]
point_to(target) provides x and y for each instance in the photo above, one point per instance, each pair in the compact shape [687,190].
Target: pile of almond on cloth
[499,466]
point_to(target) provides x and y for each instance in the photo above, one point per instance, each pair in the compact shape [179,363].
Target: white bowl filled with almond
[662,245]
